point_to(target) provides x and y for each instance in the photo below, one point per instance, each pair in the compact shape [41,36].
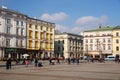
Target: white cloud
[84,23]
[61,28]
[90,22]
[54,17]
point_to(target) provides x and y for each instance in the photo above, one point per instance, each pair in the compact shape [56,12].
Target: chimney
[100,27]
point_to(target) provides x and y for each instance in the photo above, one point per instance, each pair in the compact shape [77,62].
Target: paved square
[83,71]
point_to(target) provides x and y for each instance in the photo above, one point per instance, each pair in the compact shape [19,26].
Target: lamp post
[44,41]
[2,47]
[100,48]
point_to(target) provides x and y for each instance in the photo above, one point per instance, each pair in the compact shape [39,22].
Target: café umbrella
[25,55]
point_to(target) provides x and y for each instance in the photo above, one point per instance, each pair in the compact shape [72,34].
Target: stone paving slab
[83,71]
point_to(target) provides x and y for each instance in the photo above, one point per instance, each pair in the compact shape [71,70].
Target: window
[103,40]
[117,34]
[47,28]
[17,31]
[109,48]
[7,42]
[16,42]
[30,25]
[59,42]
[103,47]
[109,40]
[97,40]
[86,41]
[97,48]
[117,40]
[91,47]
[63,41]
[22,31]
[41,27]
[91,41]
[21,23]
[17,22]
[8,21]
[50,29]
[36,27]
[21,43]
[117,48]
[8,30]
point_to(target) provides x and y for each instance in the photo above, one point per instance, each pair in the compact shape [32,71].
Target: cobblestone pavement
[83,71]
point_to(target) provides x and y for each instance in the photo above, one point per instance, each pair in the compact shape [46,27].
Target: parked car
[110,58]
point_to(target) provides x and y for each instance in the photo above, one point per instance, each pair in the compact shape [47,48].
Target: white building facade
[98,42]
[12,33]
[68,45]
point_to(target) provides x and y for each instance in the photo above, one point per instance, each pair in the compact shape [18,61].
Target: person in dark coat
[36,61]
[9,61]
[77,60]
[7,64]
[68,60]
[50,61]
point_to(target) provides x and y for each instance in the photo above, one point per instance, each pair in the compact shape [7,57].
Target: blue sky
[70,15]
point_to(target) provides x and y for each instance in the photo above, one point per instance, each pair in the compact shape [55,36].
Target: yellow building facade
[40,38]
[116,41]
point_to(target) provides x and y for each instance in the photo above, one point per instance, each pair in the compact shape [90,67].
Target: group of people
[52,61]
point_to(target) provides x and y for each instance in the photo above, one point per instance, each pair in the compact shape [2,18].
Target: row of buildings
[21,34]
[96,43]
[102,41]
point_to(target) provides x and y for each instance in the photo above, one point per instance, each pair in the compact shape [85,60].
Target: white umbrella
[25,55]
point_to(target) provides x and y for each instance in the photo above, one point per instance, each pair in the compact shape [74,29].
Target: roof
[12,11]
[117,27]
[101,29]
[72,34]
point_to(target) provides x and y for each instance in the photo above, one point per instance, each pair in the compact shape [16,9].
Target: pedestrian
[35,61]
[50,61]
[17,61]
[77,60]
[63,58]
[92,59]
[23,61]
[27,62]
[58,61]
[68,60]
[119,60]
[7,64]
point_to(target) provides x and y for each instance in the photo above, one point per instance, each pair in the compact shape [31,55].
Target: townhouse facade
[68,45]
[12,33]
[116,41]
[20,34]
[98,42]
[40,38]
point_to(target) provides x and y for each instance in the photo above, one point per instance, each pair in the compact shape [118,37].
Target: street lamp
[100,48]
[44,41]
